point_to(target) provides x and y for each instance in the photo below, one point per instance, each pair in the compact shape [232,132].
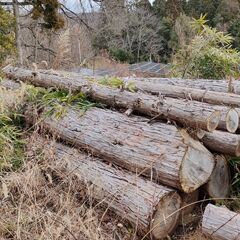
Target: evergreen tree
[7,44]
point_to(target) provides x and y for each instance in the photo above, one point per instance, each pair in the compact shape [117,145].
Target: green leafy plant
[7,37]
[235,166]
[209,54]
[11,144]
[121,55]
[117,83]
[57,101]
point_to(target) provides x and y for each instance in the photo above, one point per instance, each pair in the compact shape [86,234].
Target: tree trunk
[218,185]
[18,32]
[221,142]
[189,113]
[158,151]
[152,208]
[221,223]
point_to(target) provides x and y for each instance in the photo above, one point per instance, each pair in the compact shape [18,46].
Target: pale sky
[74,4]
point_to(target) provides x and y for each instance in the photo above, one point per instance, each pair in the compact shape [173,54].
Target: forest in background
[127,32]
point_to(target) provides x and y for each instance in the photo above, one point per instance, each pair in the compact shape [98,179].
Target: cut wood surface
[221,142]
[159,151]
[189,113]
[218,185]
[150,207]
[221,223]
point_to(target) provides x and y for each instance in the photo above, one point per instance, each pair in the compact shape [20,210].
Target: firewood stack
[175,138]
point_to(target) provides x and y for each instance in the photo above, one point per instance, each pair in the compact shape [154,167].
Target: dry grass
[42,202]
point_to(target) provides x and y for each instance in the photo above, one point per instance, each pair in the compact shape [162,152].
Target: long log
[210,91]
[148,84]
[218,185]
[190,113]
[221,223]
[221,142]
[159,151]
[203,84]
[152,208]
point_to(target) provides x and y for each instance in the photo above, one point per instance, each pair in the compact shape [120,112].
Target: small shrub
[209,54]
[121,55]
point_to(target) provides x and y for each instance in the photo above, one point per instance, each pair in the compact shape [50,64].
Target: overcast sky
[74,4]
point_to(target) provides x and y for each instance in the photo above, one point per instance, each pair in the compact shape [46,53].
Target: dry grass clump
[40,201]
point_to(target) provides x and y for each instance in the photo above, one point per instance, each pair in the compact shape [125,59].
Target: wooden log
[218,185]
[203,84]
[221,223]
[188,113]
[175,91]
[221,142]
[210,91]
[186,86]
[159,151]
[152,208]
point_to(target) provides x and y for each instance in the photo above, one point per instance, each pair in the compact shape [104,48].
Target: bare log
[152,208]
[210,91]
[218,185]
[192,92]
[190,113]
[158,151]
[221,223]
[203,84]
[221,142]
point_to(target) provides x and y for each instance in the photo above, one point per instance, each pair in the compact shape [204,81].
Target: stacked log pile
[146,164]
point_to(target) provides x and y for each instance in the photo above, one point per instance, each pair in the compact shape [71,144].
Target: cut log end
[218,185]
[196,167]
[213,121]
[165,219]
[232,120]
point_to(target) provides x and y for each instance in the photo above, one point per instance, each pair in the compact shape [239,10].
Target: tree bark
[188,91]
[221,142]
[189,113]
[18,32]
[204,84]
[204,90]
[218,185]
[158,151]
[221,223]
[152,208]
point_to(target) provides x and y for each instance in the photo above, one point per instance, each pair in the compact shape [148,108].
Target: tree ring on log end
[166,217]
[196,168]
[213,121]
[218,185]
[232,120]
